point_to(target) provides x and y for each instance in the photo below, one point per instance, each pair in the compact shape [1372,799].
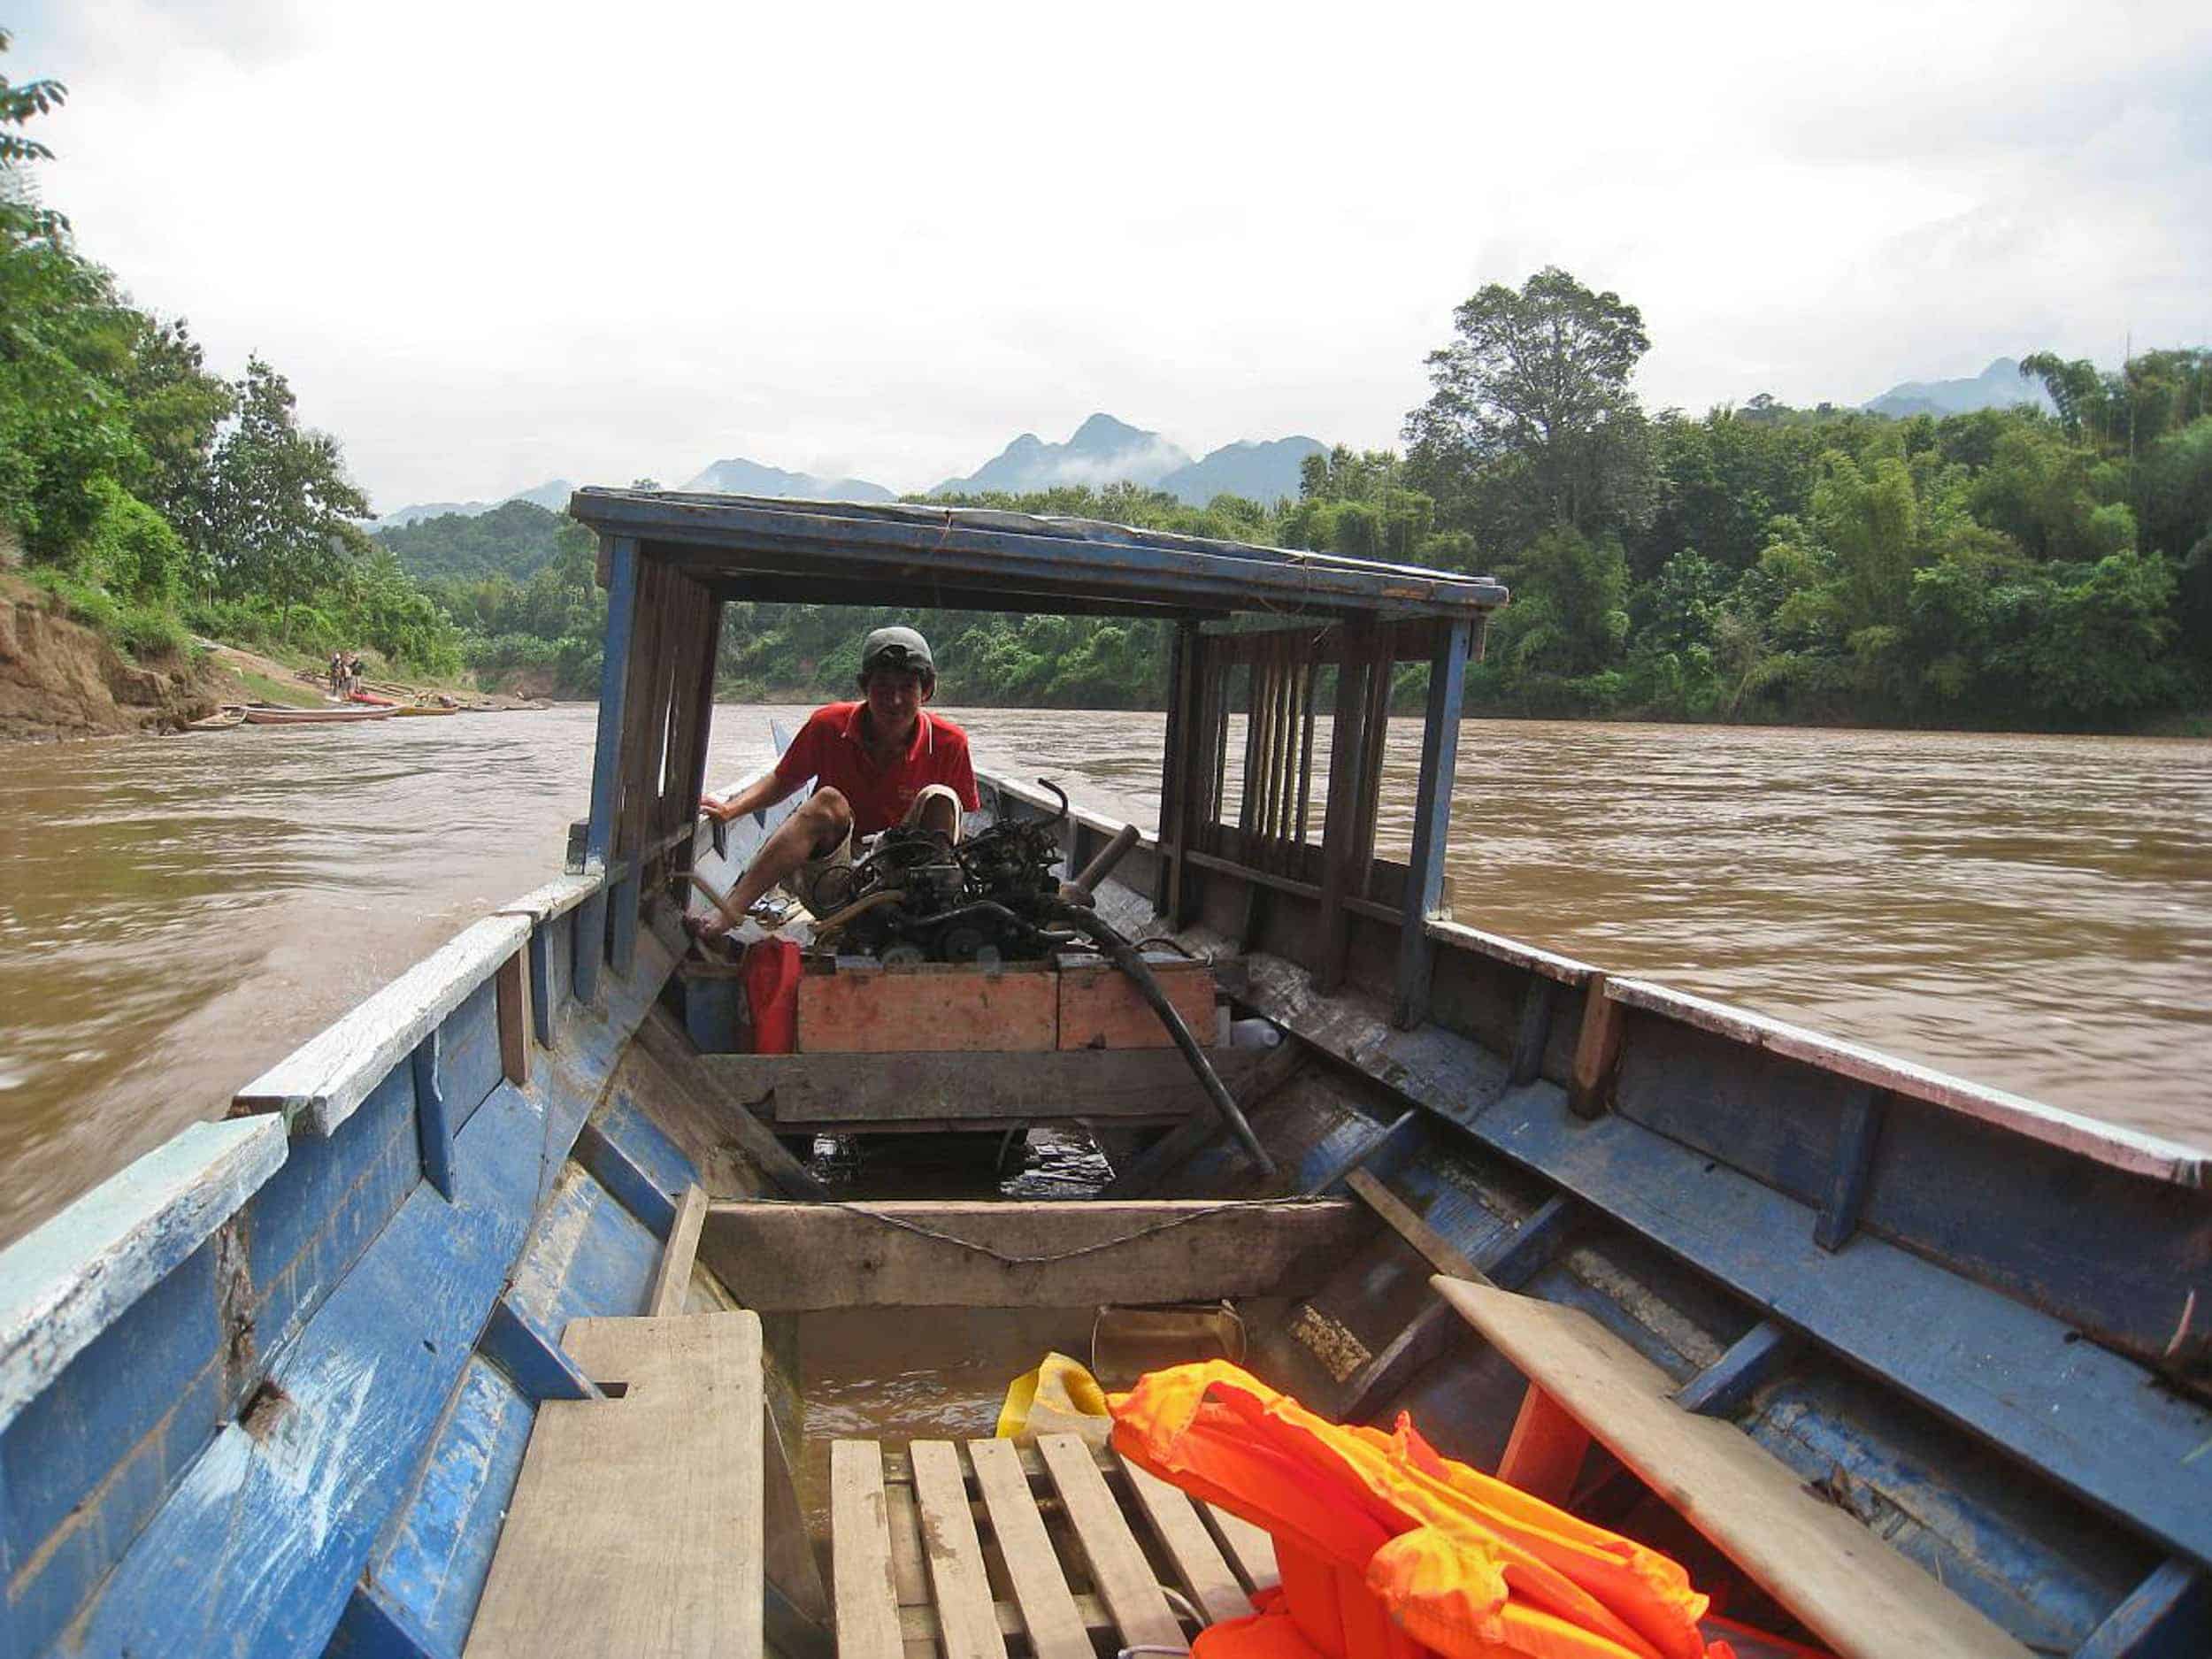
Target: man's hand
[756,796]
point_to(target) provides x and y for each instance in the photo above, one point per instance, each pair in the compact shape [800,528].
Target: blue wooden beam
[540,985]
[532,1356]
[434,1119]
[1533,1032]
[606,761]
[1432,825]
[1725,1384]
[2169,1615]
[1857,1139]
[622,1176]
[1513,1258]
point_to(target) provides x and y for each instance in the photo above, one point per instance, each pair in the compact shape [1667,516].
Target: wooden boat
[223,719]
[413,710]
[478,1325]
[266,714]
[372,699]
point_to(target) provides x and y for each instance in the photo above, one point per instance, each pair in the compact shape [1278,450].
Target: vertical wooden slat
[1545,1450]
[621,554]
[1597,1050]
[541,984]
[1118,1570]
[1054,1623]
[1339,831]
[511,995]
[860,1534]
[967,1623]
[672,1279]
[1174,769]
[1198,1561]
[1305,756]
[703,718]
[1431,826]
[1376,735]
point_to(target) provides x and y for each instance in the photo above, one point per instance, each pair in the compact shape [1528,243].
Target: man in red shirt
[882,760]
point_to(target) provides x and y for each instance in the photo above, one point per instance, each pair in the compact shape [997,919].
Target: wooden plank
[1597,1051]
[1432,825]
[672,1278]
[931,1008]
[918,1625]
[1199,1564]
[1857,1139]
[855,1092]
[1854,1591]
[780,1257]
[860,1554]
[323,1082]
[1050,1619]
[1100,1009]
[73,1278]
[1248,1546]
[968,1628]
[1119,1571]
[587,1560]
[512,994]
[1545,1452]
[1440,1252]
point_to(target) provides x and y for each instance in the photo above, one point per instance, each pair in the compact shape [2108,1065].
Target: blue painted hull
[300,1434]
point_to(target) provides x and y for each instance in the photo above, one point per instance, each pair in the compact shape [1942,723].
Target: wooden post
[513,998]
[540,983]
[1339,828]
[1432,825]
[1178,770]
[606,763]
[644,731]
[1597,1051]
[1546,1449]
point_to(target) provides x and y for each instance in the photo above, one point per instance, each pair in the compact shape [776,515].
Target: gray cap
[896,648]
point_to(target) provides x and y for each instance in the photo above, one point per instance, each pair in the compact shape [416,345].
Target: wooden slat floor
[981,1551]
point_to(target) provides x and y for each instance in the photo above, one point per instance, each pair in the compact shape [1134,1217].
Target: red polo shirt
[829,750]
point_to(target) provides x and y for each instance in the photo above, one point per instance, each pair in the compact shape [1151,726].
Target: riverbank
[61,678]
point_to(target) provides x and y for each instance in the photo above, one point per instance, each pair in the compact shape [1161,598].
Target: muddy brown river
[2032,912]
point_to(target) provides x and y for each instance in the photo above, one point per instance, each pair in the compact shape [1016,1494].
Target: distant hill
[2000,386]
[1102,451]
[554,494]
[515,539]
[1258,472]
[740,477]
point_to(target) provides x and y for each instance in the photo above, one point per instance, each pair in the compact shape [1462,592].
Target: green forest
[2006,568]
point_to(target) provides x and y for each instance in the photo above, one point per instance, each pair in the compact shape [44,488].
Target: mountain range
[2000,386]
[1104,450]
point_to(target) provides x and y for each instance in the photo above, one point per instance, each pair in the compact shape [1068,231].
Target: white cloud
[493,244]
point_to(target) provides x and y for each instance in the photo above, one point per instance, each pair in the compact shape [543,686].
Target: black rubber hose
[1126,957]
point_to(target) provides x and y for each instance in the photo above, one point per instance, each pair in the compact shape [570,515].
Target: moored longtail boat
[480,1324]
[264,714]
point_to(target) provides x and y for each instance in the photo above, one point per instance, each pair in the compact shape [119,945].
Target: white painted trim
[320,1083]
[556,898]
[74,1277]
[1566,970]
[2107,1143]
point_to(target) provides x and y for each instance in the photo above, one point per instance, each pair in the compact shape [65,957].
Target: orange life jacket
[1389,1550]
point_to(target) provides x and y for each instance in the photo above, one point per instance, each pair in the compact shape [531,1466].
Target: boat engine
[917,897]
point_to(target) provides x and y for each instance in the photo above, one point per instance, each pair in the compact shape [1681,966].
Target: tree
[1532,422]
[283,508]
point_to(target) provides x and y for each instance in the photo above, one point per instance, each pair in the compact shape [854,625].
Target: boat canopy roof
[977,558]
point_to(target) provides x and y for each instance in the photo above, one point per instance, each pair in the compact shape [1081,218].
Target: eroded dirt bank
[61,679]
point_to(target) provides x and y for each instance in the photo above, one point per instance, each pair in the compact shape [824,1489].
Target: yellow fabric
[1059,1397]
[1389,1548]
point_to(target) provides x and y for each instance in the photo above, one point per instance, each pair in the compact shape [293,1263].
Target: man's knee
[829,818]
[936,807]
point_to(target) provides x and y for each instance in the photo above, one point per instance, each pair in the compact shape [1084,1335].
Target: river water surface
[2032,912]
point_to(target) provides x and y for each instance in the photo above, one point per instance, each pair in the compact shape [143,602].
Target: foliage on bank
[150,496]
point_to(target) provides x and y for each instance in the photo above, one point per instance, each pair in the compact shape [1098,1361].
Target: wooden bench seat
[984,1550]
[635,1525]
[1855,1593]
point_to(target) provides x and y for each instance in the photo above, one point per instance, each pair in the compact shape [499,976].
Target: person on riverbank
[880,761]
[337,672]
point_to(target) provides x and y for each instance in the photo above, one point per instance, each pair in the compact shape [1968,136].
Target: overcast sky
[493,244]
